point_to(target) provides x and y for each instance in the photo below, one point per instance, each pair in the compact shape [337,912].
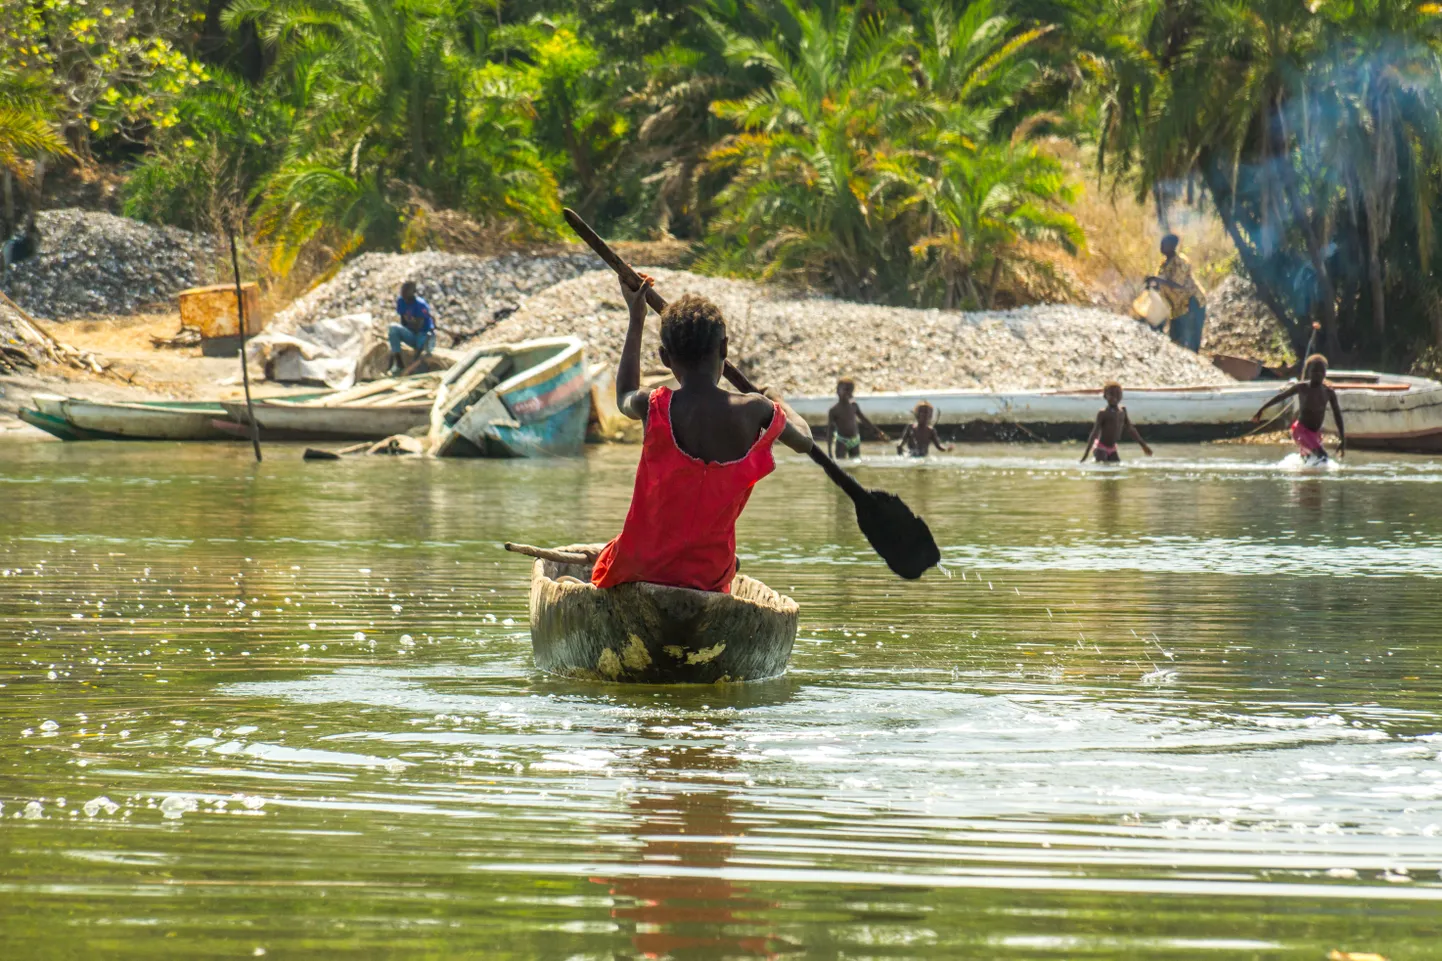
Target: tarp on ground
[324,351]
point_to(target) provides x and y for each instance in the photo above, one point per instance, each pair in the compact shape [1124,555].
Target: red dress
[681,528]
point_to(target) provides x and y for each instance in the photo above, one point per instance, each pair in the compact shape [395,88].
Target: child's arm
[905,438]
[1092,438]
[1136,434]
[1289,392]
[866,423]
[797,433]
[936,439]
[630,397]
[1337,416]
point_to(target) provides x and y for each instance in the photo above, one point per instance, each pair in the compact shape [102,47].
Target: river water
[1184,709]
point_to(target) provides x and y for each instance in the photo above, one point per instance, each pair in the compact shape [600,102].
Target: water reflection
[1185,709]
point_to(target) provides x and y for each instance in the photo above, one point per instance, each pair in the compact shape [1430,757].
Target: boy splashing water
[1313,398]
[703,451]
[1106,433]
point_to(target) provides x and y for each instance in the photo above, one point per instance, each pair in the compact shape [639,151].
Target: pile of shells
[467,293]
[1238,323]
[801,344]
[97,263]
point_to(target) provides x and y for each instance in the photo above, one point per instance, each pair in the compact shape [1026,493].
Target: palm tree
[986,201]
[811,197]
[1311,127]
[389,102]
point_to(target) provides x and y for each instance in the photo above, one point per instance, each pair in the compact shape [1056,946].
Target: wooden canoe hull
[297,422]
[650,634]
[72,418]
[146,421]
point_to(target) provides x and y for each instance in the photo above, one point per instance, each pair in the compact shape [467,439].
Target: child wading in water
[1313,398]
[1112,420]
[919,437]
[845,420]
[704,449]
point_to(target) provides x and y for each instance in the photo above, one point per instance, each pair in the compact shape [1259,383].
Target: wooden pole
[244,367]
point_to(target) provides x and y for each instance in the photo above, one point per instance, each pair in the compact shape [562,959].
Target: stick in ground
[244,367]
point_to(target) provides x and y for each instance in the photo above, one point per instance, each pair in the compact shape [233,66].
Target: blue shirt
[416,314]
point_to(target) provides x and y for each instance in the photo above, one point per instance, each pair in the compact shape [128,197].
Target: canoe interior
[650,634]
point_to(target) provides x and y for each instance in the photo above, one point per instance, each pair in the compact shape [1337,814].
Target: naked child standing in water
[919,437]
[845,421]
[1112,421]
[1313,398]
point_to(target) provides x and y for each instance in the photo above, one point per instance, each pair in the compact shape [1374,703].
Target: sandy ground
[138,371]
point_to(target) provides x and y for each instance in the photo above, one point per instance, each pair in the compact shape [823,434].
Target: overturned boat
[1382,411]
[650,633]
[527,399]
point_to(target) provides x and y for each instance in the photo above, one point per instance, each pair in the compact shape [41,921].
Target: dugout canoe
[74,418]
[652,634]
[526,399]
[1382,411]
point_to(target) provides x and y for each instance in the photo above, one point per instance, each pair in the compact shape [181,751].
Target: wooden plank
[396,400]
[352,394]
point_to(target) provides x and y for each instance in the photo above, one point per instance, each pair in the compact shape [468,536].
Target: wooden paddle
[894,531]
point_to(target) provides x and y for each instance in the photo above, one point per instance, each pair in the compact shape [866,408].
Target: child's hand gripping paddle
[901,538]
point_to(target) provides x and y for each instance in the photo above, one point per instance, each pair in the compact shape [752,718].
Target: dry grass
[1123,236]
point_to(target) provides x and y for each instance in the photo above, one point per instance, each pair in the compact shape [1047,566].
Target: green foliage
[1315,130]
[885,150]
[113,70]
[875,162]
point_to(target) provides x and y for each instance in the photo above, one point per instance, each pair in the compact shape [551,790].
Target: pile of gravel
[1238,323]
[802,344]
[466,293]
[98,263]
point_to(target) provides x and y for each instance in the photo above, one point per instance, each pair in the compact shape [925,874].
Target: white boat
[527,399]
[370,411]
[1382,411]
[75,418]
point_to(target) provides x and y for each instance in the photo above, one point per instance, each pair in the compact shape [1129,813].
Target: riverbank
[789,339]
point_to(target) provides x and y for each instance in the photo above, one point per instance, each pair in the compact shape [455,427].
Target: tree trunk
[1302,219]
[1217,183]
[991,282]
[580,159]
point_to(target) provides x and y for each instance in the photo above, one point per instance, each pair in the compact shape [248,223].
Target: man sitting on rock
[416,328]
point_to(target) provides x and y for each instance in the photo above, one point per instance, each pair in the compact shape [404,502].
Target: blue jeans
[400,335]
[1187,329]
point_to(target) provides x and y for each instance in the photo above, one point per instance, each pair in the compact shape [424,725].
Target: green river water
[1185,709]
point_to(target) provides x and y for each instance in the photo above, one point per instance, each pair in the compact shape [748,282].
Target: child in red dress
[704,449]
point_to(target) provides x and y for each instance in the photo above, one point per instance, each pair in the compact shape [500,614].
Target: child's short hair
[692,329]
[923,405]
[1314,359]
[845,382]
[1109,385]
[408,287]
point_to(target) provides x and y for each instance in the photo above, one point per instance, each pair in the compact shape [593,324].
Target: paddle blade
[901,538]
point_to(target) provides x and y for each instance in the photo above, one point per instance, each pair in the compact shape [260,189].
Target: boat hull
[71,418]
[142,421]
[1382,412]
[651,634]
[541,411]
[297,422]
